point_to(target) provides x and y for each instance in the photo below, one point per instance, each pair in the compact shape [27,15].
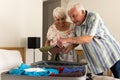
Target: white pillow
[9,59]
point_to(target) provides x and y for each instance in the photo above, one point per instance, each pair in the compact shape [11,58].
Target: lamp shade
[33,42]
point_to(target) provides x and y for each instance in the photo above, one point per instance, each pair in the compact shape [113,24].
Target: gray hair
[77,6]
[59,12]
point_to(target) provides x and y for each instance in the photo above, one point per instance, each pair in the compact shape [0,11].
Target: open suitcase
[52,64]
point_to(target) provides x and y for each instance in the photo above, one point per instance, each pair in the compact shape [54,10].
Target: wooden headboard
[21,49]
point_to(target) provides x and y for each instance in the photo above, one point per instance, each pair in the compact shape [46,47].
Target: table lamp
[33,43]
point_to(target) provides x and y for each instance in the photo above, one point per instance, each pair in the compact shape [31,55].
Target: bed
[11,57]
[6,76]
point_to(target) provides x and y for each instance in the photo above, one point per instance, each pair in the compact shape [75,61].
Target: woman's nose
[61,21]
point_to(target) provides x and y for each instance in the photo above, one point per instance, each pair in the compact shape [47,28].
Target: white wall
[108,9]
[22,18]
[18,20]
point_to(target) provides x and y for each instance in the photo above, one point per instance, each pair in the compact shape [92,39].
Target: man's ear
[83,11]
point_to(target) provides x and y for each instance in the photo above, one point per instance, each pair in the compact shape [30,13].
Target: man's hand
[68,49]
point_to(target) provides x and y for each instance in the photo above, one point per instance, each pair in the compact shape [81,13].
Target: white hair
[59,12]
[77,6]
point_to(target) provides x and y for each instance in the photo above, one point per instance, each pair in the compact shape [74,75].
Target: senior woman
[61,29]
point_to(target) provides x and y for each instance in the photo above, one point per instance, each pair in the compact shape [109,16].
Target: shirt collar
[84,23]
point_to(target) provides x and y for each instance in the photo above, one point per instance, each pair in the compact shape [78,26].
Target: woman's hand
[61,42]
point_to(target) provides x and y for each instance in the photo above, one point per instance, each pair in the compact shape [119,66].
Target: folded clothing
[29,71]
[55,50]
[76,69]
[72,74]
[52,50]
[41,72]
[19,70]
[46,48]
[62,72]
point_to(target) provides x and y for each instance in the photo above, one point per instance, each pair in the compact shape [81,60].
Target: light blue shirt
[103,51]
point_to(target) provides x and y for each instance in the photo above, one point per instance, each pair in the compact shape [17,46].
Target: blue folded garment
[19,70]
[46,72]
[69,70]
[27,70]
[35,72]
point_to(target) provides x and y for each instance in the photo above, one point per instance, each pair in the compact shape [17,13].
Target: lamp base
[33,55]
